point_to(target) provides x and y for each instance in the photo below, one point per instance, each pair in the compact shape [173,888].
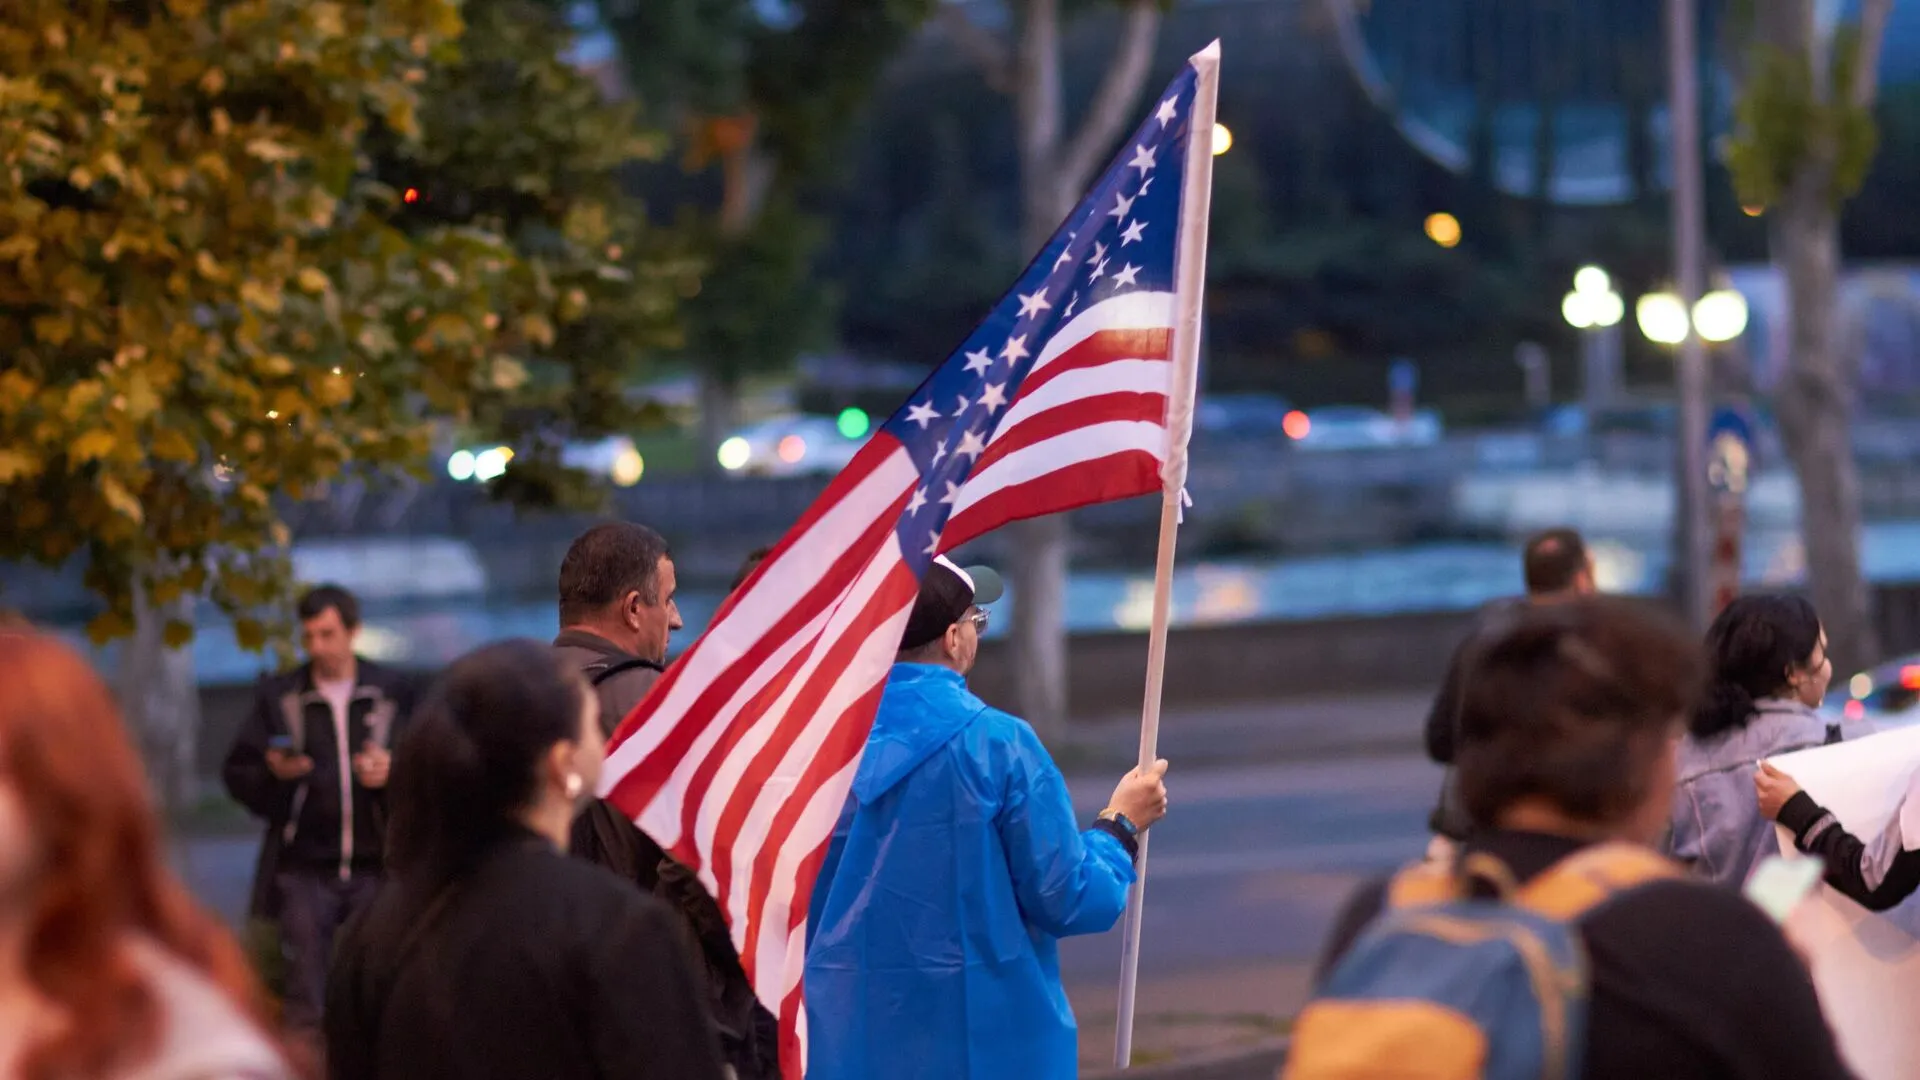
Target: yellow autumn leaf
[19,246]
[538,329]
[506,373]
[170,445]
[265,297]
[107,626]
[312,279]
[142,401]
[122,501]
[276,365]
[270,151]
[92,445]
[16,464]
[177,634]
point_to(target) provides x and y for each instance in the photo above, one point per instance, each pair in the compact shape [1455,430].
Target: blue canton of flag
[1121,239]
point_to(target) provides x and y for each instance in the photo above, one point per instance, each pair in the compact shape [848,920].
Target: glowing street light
[1592,304]
[1443,229]
[1222,139]
[1662,317]
[1721,315]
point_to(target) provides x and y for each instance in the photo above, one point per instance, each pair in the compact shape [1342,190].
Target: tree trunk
[161,701]
[1051,178]
[1815,406]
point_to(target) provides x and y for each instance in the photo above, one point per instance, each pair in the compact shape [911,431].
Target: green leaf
[178,633]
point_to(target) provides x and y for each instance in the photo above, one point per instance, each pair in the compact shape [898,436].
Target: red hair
[64,750]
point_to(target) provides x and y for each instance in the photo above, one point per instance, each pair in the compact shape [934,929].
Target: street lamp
[1222,139]
[1595,310]
[1721,315]
[1718,317]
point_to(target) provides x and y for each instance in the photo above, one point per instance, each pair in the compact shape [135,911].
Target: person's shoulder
[1697,927]
[203,1032]
[383,676]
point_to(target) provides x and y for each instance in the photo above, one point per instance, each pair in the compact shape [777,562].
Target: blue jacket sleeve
[1067,881]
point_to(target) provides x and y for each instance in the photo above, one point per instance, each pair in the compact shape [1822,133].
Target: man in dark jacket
[1557,567]
[617,615]
[312,760]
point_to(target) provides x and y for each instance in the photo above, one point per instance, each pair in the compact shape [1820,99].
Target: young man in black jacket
[617,616]
[1557,567]
[312,759]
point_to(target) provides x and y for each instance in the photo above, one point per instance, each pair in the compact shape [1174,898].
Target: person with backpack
[1558,942]
[618,615]
[1556,567]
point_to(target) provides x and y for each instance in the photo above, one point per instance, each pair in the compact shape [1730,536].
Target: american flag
[739,760]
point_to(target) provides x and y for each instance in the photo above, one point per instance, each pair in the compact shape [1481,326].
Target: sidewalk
[1351,725]
[1183,1016]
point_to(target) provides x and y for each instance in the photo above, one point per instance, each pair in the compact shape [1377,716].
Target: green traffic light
[854,422]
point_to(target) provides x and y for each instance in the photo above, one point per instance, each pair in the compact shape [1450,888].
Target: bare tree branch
[1113,102]
[1866,61]
[981,46]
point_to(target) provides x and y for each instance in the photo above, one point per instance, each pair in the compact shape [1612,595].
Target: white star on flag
[1031,304]
[920,414]
[978,362]
[994,397]
[1099,252]
[1016,349]
[1099,271]
[972,445]
[1071,304]
[1167,112]
[1142,160]
[1133,232]
[1144,185]
[962,410]
[953,490]
[919,499]
[1121,208]
[933,543]
[1125,276]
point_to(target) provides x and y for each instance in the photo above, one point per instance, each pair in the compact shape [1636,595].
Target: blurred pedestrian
[617,587]
[1767,675]
[1556,567]
[955,868]
[107,968]
[754,559]
[491,954]
[1558,942]
[312,759]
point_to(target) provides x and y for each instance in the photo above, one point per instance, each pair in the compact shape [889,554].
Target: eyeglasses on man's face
[978,617]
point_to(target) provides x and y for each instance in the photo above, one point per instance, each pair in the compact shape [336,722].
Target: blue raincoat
[955,867]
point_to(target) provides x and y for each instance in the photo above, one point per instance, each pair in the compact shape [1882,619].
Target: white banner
[1866,966]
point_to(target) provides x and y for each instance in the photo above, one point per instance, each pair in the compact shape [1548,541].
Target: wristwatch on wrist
[1120,819]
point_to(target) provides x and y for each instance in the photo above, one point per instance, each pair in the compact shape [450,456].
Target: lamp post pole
[1689,213]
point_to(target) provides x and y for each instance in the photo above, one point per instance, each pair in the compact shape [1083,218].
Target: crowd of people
[448,898]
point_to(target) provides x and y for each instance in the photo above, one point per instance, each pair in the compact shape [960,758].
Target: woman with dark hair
[107,968]
[1767,674]
[491,953]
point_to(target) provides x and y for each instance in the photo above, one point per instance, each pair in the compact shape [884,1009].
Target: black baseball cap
[947,592]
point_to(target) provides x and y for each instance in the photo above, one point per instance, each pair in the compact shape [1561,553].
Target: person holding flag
[955,868]
[1077,388]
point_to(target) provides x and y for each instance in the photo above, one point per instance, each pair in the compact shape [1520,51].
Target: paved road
[1244,876]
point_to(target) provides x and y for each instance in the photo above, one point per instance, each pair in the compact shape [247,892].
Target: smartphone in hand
[282,744]
[1780,884]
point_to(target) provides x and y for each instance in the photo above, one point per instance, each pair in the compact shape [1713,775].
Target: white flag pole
[1189,285]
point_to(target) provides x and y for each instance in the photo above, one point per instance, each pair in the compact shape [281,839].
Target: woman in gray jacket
[1768,669]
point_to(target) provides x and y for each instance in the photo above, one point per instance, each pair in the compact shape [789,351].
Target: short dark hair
[607,562]
[1751,645]
[1574,704]
[315,602]
[1554,560]
[753,561]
